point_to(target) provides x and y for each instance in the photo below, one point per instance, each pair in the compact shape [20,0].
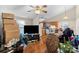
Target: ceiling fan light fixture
[37,11]
[65,17]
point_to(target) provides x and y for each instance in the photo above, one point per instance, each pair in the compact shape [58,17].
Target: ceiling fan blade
[44,11]
[45,6]
[31,6]
[29,11]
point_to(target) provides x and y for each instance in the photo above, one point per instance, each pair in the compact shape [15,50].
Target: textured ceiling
[21,10]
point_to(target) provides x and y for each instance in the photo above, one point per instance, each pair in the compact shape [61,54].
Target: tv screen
[31,29]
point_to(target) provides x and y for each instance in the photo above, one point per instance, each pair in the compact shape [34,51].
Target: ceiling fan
[38,9]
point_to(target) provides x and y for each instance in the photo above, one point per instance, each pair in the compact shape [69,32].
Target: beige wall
[77,20]
[25,21]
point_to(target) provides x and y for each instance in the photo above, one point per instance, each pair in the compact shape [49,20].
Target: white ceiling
[21,10]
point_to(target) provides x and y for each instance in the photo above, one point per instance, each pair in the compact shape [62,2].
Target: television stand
[32,37]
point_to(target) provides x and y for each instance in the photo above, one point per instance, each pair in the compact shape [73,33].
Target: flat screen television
[31,29]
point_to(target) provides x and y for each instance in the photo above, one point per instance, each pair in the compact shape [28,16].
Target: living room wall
[23,21]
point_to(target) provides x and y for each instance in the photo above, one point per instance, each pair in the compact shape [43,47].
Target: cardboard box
[7,16]
[10,27]
[9,35]
[9,21]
